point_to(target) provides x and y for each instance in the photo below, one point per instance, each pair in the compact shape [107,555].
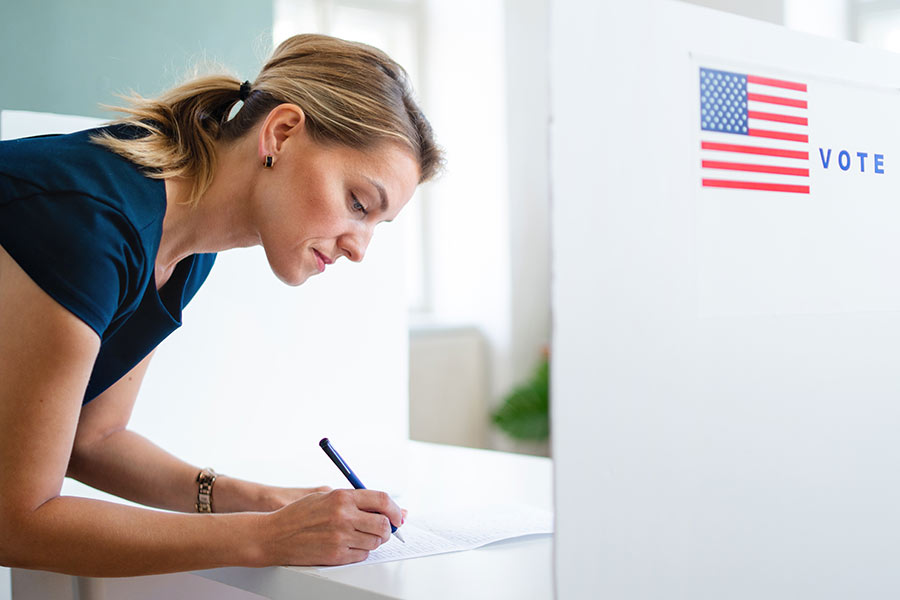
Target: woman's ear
[283,122]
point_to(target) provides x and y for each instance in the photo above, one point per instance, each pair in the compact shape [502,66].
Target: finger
[356,555]
[373,524]
[350,555]
[365,541]
[379,502]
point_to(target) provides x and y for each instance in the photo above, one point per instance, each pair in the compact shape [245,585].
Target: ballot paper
[463,528]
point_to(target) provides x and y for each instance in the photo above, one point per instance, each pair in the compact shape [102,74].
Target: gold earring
[269,161]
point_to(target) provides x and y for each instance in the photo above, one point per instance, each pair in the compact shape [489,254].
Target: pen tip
[399,537]
[323,442]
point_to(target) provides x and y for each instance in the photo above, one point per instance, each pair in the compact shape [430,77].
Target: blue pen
[349,474]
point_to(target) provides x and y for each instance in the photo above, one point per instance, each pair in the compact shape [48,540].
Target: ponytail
[180,129]
[351,94]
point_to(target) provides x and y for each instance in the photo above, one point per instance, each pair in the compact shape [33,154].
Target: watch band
[205,480]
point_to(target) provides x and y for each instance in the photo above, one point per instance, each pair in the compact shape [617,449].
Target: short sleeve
[84,253]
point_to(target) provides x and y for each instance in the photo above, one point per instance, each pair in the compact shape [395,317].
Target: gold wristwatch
[205,480]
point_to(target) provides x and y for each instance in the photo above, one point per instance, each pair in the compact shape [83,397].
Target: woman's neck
[219,221]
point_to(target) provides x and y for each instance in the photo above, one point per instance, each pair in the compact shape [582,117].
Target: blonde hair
[351,94]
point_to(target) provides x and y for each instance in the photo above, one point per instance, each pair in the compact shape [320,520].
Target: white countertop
[437,476]
[423,477]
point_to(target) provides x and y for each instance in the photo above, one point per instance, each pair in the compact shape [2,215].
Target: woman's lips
[321,260]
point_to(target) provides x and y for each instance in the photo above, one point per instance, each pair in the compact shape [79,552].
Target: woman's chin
[291,277]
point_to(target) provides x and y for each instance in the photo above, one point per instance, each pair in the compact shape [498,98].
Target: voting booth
[726,233]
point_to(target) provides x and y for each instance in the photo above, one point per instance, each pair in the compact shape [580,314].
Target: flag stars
[723,101]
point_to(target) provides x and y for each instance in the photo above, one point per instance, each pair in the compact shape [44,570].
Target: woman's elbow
[12,548]
[19,546]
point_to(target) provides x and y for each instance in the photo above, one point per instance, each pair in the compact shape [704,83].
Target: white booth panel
[726,326]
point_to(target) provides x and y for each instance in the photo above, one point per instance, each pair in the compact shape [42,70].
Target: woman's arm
[46,357]
[109,457]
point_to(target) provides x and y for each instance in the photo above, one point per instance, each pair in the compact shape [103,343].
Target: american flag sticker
[754,133]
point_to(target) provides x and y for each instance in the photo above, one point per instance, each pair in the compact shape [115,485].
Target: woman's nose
[354,245]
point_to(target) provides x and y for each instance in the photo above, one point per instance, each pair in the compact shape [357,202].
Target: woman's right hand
[330,528]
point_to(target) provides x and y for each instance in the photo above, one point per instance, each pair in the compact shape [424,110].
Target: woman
[105,235]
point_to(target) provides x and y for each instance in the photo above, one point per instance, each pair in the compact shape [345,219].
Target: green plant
[525,413]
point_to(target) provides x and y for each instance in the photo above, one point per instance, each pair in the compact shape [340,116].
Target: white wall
[764,10]
[828,18]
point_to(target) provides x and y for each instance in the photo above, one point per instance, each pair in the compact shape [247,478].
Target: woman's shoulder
[83,222]
[74,164]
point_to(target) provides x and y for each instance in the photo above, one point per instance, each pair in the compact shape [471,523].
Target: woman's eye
[357,205]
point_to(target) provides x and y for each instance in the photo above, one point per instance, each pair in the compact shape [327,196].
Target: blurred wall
[527,47]
[764,10]
[68,57]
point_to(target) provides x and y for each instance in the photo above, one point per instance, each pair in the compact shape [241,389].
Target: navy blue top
[85,225]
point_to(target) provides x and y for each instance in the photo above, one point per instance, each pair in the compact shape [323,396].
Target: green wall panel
[71,56]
